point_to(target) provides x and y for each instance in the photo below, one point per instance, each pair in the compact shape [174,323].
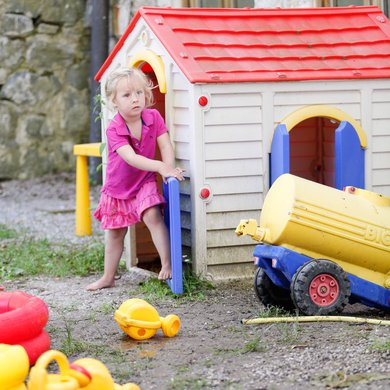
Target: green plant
[29,257]
[6,233]
[273,311]
[194,288]
[254,345]
[381,345]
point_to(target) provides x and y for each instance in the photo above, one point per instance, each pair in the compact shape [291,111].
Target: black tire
[269,294]
[320,287]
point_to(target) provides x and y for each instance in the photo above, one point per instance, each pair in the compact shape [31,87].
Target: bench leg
[83,214]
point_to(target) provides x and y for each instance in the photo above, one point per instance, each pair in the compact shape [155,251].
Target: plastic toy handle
[126,322]
[75,375]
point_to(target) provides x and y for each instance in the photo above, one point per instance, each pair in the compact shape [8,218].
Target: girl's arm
[147,164]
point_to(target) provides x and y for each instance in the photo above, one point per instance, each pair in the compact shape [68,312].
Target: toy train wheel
[320,287]
[270,294]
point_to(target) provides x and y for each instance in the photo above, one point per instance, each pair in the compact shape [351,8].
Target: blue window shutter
[349,157]
[280,152]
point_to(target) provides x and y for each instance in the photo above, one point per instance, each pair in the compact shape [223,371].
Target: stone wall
[44,88]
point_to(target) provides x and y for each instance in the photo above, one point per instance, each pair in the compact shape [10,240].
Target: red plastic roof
[270,44]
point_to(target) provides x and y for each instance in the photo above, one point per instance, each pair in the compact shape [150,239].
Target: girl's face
[129,98]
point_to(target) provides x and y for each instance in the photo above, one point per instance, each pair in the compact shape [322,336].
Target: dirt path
[212,350]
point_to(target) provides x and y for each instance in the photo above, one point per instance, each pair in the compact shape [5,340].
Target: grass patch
[194,288]
[30,257]
[6,233]
[274,311]
[381,345]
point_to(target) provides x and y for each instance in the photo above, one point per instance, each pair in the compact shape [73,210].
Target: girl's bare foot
[100,284]
[165,273]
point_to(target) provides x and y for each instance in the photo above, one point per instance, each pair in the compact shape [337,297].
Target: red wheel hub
[324,290]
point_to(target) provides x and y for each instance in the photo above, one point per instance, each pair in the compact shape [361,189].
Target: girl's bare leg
[112,255]
[155,223]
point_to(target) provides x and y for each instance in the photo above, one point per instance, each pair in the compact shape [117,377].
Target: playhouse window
[218,3]
[346,3]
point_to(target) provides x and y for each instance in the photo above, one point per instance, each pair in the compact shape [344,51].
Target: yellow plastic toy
[140,320]
[86,374]
[14,366]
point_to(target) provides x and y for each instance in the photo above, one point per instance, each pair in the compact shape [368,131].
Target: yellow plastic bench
[83,214]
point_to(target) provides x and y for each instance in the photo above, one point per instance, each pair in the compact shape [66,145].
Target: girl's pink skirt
[116,213]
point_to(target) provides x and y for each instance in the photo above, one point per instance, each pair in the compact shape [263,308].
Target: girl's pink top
[123,180]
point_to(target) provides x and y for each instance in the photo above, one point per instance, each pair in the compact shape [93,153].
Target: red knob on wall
[204,193]
[203,101]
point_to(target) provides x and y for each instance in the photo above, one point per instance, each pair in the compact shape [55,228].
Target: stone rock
[8,120]
[44,54]
[16,26]
[50,29]
[18,88]
[63,11]
[31,8]
[12,52]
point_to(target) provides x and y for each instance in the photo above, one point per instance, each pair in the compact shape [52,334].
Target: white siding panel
[317,97]
[381,110]
[233,255]
[381,126]
[233,133]
[231,271]
[226,168]
[181,133]
[381,160]
[381,95]
[381,143]
[236,100]
[234,185]
[182,150]
[185,203]
[180,98]
[283,111]
[236,150]
[232,115]
[236,202]
[230,220]
[381,177]
[226,238]
[181,116]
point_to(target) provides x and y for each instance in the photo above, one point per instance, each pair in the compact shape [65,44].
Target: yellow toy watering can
[14,366]
[86,374]
[140,320]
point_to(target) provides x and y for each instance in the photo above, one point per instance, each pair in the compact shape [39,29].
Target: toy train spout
[302,220]
[248,227]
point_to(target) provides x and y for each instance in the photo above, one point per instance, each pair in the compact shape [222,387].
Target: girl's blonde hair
[131,74]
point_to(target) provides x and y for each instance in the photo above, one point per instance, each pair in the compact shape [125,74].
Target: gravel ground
[213,350]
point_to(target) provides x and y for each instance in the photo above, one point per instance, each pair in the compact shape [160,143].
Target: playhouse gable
[249,45]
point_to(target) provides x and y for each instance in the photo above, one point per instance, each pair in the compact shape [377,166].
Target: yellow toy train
[321,247]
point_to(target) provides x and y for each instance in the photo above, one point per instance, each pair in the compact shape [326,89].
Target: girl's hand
[171,172]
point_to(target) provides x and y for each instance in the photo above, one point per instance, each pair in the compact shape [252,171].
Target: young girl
[130,192]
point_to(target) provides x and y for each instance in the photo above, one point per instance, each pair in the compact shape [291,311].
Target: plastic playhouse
[249,94]
[321,247]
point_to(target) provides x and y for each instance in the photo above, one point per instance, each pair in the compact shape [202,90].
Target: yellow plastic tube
[355,320]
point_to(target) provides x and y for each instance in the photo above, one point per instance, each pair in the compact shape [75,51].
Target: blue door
[348,156]
[280,153]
